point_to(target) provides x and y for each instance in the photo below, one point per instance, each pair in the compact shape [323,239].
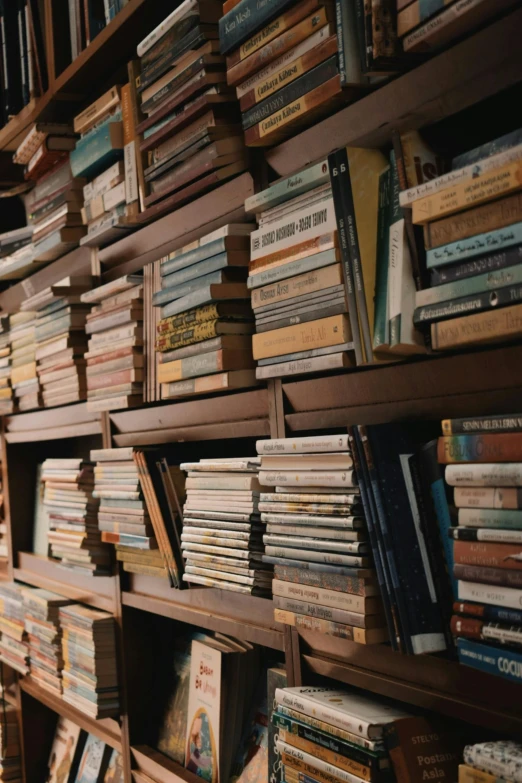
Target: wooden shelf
[473,383]
[13,133]
[107,729]
[160,768]
[243,616]
[70,421]
[228,415]
[424,681]
[97,591]
[477,68]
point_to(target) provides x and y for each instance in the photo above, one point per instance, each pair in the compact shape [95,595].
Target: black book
[13,97]
[193,40]
[476,266]
[247,18]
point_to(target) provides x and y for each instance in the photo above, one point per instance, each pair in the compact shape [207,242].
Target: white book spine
[289,187]
[465,174]
[177,15]
[509,597]
[495,474]
[306,224]
[314,709]
[347,547]
[298,519]
[500,536]
[319,595]
[209,549]
[503,635]
[485,498]
[499,761]
[114,197]
[311,445]
[131,173]
[316,763]
[316,478]
[315,532]
[330,558]
[469,517]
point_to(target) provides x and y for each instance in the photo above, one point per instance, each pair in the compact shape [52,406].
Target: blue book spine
[499,661]
[246,19]
[489,263]
[493,614]
[489,242]
[487,150]
[205,267]
[167,295]
[95,153]
[193,256]
[433,474]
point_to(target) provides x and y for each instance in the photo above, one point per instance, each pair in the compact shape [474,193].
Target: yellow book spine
[334,330]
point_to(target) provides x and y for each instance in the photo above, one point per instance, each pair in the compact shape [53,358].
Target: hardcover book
[203,730]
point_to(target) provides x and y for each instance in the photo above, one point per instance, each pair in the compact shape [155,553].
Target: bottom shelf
[159,767]
[107,729]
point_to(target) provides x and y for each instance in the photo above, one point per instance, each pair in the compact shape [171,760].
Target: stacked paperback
[60,340]
[115,351]
[204,333]
[14,649]
[90,677]
[6,392]
[10,752]
[315,537]
[222,535]
[16,253]
[140,510]
[488,762]
[326,734]
[472,223]
[24,377]
[44,635]
[73,534]
[191,135]
[483,459]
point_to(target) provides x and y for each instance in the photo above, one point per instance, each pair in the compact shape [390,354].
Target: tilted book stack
[222,535]
[204,333]
[115,368]
[44,635]
[16,253]
[483,459]
[325,734]
[10,751]
[14,649]
[90,675]
[315,536]
[190,134]
[140,510]
[6,392]
[489,762]
[73,535]
[24,377]
[472,223]
[60,340]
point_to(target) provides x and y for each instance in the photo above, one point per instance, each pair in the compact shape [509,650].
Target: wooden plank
[107,729]
[51,417]
[477,68]
[226,407]
[160,768]
[155,240]
[255,428]
[244,616]
[44,572]
[56,433]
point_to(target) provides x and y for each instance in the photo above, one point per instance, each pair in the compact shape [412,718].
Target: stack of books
[14,649]
[203,336]
[44,635]
[222,535]
[191,130]
[24,377]
[427,28]
[115,368]
[10,753]
[488,762]
[90,676]
[326,734]
[472,223]
[483,459]
[73,535]
[98,158]
[16,253]
[6,392]
[60,340]
[140,510]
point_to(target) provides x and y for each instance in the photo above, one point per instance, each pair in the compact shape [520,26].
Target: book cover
[441,750]
[498,661]
[203,729]
[94,761]
[114,773]
[65,752]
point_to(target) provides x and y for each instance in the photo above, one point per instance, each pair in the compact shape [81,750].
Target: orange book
[490,555]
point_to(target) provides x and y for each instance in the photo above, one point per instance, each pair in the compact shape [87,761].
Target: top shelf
[471,71]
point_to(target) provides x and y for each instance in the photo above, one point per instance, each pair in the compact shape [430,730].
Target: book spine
[445,26]
[312,445]
[179,322]
[300,252]
[493,614]
[467,305]
[477,329]
[487,575]
[213,344]
[463,249]
[489,281]
[290,92]
[328,558]
[479,221]
[492,660]
[502,447]
[312,766]
[192,40]
[167,295]
[329,715]
[415,13]
[481,424]
[484,474]
[176,16]
[290,188]
[347,584]
[490,498]
[503,763]
[100,107]
[381,330]
[276,28]
[491,555]
[323,754]
[506,597]
[489,150]
[325,597]
[95,153]
[325,332]
[198,333]
[490,518]
[248,15]
[205,267]
[300,285]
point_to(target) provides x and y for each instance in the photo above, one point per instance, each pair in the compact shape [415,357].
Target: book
[490,659]
[443,749]
[489,448]
[498,758]
[486,218]
[485,424]
[65,751]
[477,329]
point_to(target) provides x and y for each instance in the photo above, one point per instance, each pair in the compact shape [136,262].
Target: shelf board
[425,681]
[222,205]
[97,591]
[107,729]
[160,768]
[243,616]
[473,383]
[69,421]
[435,90]
[13,133]
[238,414]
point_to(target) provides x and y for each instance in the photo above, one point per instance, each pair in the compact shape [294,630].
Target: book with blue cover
[500,661]
[98,150]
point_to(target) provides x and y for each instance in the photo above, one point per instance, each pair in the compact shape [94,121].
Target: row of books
[79,757]
[82,21]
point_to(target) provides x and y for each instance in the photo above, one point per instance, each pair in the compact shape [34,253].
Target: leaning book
[203,718]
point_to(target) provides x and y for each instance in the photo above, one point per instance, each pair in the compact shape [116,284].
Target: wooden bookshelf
[160,768]
[69,421]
